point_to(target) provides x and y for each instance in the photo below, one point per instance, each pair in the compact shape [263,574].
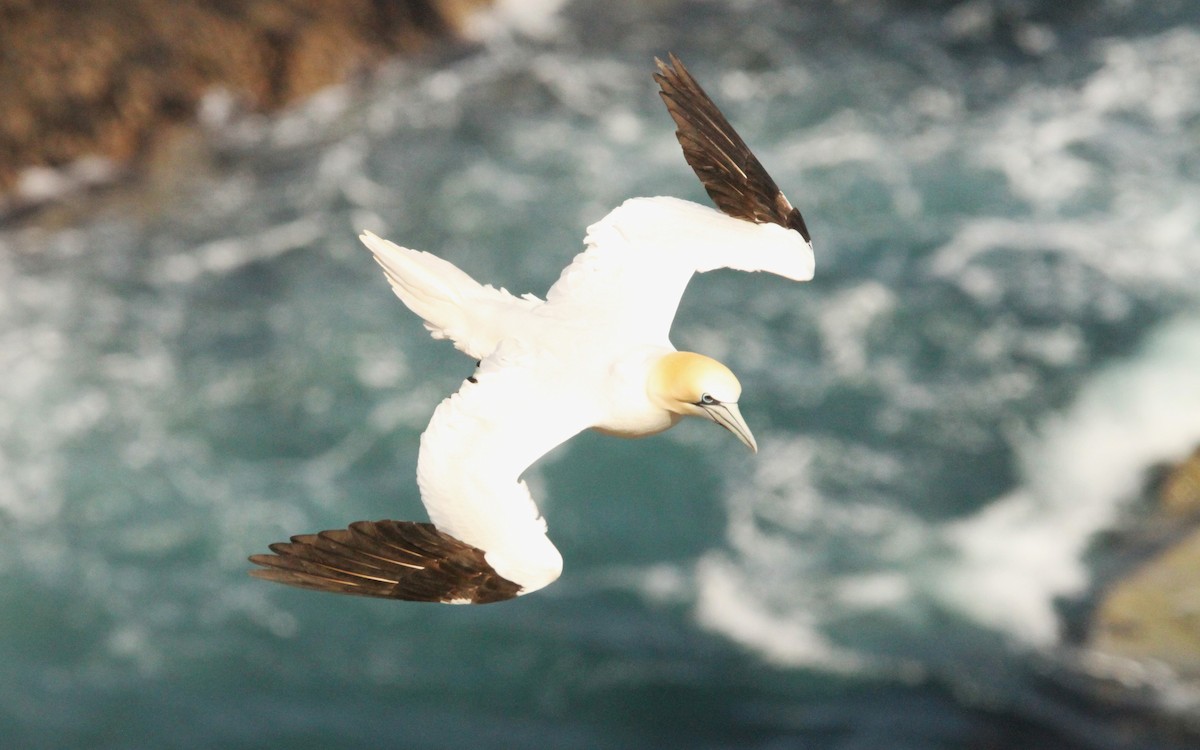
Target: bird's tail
[389,560]
[453,305]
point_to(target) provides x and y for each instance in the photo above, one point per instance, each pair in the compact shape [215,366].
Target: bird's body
[595,353]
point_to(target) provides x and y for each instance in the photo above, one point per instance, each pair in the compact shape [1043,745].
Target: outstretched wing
[639,259]
[731,174]
[389,560]
[487,541]
[453,305]
[641,256]
[519,405]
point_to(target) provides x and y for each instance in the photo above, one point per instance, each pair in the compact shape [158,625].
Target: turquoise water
[1002,338]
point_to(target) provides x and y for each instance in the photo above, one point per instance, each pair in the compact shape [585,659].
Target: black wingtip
[730,172]
[388,560]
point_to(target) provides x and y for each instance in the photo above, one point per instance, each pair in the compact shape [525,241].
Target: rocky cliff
[109,78]
[1153,613]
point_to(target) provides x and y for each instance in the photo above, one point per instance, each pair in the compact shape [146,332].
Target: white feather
[640,257]
[453,305]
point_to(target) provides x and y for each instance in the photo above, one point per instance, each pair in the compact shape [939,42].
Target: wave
[811,577]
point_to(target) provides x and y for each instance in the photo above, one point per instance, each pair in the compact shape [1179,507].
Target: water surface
[1002,338]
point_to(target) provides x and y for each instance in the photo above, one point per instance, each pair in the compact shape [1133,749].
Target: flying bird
[594,354]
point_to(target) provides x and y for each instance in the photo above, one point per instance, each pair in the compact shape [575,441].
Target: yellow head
[692,384]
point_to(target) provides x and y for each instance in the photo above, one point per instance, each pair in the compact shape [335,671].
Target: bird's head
[691,384]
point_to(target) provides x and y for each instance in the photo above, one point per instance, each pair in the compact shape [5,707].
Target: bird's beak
[729,417]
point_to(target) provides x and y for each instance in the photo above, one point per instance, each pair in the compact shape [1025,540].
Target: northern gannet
[595,353]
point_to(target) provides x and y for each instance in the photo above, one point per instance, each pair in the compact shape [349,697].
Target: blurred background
[971,523]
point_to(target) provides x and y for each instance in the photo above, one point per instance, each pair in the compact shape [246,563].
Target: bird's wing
[487,541]
[733,177]
[453,305]
[389,560]
[482,439]
[628,283]
[639,259]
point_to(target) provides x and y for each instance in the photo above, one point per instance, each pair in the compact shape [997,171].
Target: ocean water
[1002,339]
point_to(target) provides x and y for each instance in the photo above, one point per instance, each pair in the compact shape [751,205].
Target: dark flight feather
[731,174]
[389,560]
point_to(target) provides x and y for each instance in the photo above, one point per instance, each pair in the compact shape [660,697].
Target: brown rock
[1179,493]
[106,78]
[1155,612]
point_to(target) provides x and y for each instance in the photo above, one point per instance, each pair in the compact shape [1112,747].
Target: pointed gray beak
[729,417]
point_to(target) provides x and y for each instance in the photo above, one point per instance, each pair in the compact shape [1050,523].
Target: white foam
[791,637]
[37,185]
[534,19]
[1025,549]
[228,254]
[779,588]
[1155,77]
[1144,210]
[844,321]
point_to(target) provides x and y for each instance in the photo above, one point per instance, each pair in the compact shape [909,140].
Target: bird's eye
[707,400]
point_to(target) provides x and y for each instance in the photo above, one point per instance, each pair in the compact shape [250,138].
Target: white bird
[595,353]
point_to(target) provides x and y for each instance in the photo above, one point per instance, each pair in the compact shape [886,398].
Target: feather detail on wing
[453,305]
[733,177]
[389,560]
